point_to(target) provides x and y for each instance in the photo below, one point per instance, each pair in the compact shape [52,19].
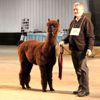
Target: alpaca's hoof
[28,87]
[44,91]
[23,87]
[52,89]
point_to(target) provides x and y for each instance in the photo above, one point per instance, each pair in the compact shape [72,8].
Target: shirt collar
[80,18]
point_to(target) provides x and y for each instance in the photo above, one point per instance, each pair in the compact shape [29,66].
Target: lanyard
[80,24]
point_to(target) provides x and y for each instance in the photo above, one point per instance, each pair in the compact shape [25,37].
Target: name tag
[75,31]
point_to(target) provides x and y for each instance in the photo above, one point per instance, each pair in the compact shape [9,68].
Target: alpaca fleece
[39,53]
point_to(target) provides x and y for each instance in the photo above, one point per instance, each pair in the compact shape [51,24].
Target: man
[81,41]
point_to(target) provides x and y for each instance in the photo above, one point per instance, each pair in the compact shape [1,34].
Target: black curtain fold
[94,6]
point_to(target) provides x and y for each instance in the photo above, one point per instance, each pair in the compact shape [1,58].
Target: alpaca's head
[53,26]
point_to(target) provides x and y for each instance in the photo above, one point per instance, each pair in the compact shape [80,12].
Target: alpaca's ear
[48,19]
[58,20]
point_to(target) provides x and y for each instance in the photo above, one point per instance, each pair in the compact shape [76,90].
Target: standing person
[81,42]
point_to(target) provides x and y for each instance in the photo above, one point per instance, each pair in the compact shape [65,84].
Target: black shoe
[76,92]
[82,93]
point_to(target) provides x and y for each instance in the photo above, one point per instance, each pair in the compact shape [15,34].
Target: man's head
[78,9]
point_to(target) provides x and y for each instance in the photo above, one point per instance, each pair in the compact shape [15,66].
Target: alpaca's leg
[22,77]
[49,77]
[28,70]
[24,74]
[22,83]
[43,78]
[27,82]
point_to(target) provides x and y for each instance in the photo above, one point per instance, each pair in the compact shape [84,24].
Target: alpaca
[39,53]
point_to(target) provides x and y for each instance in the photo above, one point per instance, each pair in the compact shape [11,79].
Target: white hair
[79,4]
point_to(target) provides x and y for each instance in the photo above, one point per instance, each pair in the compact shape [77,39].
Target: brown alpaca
[39,53]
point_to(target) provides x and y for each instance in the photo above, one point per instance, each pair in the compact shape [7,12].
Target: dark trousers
[79,61]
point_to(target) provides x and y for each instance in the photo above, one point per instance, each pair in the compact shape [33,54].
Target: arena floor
[9,81]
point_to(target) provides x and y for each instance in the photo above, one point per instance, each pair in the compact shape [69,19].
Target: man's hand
[89,52]
[61,43]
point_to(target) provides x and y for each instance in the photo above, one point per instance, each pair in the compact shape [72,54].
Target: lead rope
[60,60]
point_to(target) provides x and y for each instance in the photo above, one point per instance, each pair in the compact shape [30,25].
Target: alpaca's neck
[50,39]
[48,49]
[50,42]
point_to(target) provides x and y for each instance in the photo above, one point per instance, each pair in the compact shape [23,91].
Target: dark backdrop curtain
[94,6]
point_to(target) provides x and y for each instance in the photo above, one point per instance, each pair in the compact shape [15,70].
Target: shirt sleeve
[90,33]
